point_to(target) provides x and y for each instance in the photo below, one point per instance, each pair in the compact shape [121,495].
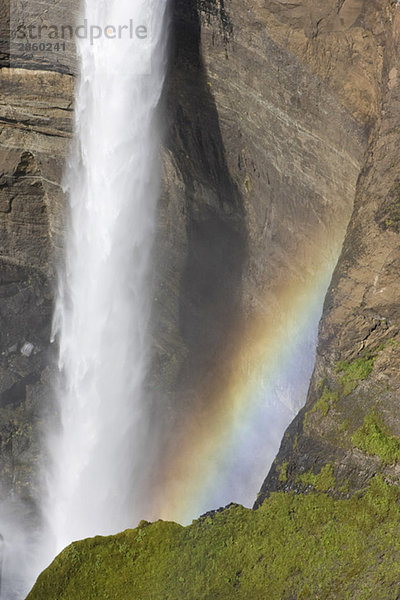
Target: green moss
[373,438]
[305,546]
[322,482]
[283,475]
[344,488]
[353,372]
[327,400]
[324,403]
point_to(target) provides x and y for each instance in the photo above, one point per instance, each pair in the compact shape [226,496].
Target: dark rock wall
[36,122]
[261,162]
[201,247]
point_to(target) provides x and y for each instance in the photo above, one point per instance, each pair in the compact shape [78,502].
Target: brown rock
[360,321]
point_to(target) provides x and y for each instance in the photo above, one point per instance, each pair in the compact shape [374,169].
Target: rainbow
[223,450]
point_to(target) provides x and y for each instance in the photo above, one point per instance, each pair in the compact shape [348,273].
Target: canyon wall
[272,111]
[349,425]
[36,122]
[262,155]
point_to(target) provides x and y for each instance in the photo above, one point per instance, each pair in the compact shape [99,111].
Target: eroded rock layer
[36,122]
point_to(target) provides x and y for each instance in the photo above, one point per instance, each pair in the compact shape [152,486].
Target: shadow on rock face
[210,288]
[201,250]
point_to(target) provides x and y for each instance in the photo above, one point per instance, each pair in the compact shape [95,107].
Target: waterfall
[93,480]
[103,304]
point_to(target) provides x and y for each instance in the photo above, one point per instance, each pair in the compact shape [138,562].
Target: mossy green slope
[307,546]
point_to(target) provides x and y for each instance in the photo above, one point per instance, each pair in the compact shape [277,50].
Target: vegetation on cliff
[307,546]
[374,439]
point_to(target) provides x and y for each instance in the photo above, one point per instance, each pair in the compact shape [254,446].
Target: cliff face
[270,109]
[350,419]
[265,139]
[35,128]
[279,115]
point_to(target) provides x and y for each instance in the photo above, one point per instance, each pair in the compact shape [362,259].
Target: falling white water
[102,310]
